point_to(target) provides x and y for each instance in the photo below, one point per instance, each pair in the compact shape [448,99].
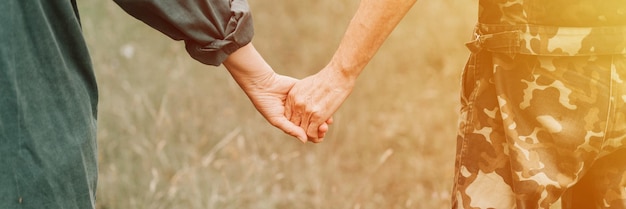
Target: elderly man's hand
[313,100]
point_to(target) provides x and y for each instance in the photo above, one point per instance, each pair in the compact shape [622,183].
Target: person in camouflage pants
[543,115]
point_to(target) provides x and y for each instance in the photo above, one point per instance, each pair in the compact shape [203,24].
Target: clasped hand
[312,101]
[302,109]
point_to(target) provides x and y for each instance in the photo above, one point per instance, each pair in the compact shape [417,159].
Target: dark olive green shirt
[48,93]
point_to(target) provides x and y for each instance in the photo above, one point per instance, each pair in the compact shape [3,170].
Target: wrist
[341,79]
[347,72]
[249,69]
[255,81]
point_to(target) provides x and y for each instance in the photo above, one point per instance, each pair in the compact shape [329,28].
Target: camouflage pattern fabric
[532,126]
[568,13]
[543,114]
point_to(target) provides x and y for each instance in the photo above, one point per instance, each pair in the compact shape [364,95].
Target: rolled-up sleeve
[211,29]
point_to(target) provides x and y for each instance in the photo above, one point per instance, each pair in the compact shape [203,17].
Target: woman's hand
[266,89]
[269,98]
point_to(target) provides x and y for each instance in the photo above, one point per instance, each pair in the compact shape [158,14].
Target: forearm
[371,25]
[248,68]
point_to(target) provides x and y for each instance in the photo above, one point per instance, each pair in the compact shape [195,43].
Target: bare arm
[371,25]
[313,100]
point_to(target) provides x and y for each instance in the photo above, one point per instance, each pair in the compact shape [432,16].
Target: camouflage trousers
[537,129]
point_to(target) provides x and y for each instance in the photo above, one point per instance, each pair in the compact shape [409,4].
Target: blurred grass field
[174,133]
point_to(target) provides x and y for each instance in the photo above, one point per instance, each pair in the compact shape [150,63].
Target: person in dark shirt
[49,96]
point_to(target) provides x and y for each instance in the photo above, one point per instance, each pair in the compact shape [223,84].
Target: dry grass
[176,134]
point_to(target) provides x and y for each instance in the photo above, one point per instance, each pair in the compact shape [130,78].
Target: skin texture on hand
[315,99]
[266,89]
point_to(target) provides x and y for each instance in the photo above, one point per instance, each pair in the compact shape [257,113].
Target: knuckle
[300,101]
[312,109]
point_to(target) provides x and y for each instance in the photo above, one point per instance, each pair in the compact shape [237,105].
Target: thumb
[289,128]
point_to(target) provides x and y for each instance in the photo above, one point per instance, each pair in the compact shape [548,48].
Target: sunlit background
[174,133]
